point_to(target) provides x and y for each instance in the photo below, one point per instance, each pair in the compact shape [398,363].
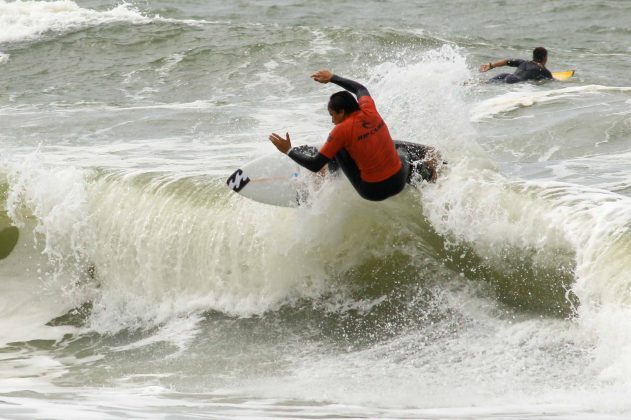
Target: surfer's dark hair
[343,101]
[539,54]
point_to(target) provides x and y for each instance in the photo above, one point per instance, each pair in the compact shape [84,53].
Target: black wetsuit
[412,157]
[313,160]
[526,70]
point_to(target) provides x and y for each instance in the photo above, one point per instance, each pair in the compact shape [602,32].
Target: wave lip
[28,20]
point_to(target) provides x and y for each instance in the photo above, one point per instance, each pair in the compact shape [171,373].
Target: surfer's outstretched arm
[506,62]
[325,76]
[311,162]
[302,155]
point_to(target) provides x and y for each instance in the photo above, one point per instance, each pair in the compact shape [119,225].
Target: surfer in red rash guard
[360,144]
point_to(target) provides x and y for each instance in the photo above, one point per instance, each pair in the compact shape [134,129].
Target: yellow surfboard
[562,75]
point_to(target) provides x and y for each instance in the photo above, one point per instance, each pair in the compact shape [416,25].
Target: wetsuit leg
[349,167]
[511,78]
[374,191]
[505,77]
[499,78]
[379,191]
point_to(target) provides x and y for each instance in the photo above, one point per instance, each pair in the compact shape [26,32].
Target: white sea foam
[28,20]
[153,265]
[25,300]
[422,99]
[169,250]
[40,275]
[528,96]
[162,253]
[179,331]
[490,213]
[473,203]
[165,253]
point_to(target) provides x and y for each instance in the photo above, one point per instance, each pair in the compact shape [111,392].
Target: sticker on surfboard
[237,181]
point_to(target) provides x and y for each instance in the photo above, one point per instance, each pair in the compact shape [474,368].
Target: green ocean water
[134,284]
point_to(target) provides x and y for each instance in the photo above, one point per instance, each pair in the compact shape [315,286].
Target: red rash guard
[365,136]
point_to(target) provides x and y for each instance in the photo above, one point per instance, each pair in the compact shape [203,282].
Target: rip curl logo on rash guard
[371,132]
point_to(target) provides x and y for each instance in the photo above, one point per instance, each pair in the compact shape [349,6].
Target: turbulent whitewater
[133,283]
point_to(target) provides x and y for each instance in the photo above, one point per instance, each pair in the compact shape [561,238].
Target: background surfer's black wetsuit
[526,70]
[310,158]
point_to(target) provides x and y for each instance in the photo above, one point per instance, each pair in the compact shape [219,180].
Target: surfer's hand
[485,67]
[322,76]
[282,144]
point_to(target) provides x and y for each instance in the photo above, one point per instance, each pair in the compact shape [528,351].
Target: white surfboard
[272,179]
[277,180]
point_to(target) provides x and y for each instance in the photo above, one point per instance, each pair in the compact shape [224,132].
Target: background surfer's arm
[352,86]
[309,161]
[501,63]
[514,63]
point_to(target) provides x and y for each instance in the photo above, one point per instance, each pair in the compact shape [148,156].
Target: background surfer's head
[341,105]
[540,55]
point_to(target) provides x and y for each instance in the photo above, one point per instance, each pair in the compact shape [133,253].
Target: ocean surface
[135,284]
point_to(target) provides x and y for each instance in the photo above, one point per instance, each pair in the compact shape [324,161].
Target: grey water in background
[133,283]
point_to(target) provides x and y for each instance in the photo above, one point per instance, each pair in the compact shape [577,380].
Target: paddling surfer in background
[526,70]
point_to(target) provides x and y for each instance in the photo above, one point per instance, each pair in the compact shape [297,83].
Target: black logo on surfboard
[237,181]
